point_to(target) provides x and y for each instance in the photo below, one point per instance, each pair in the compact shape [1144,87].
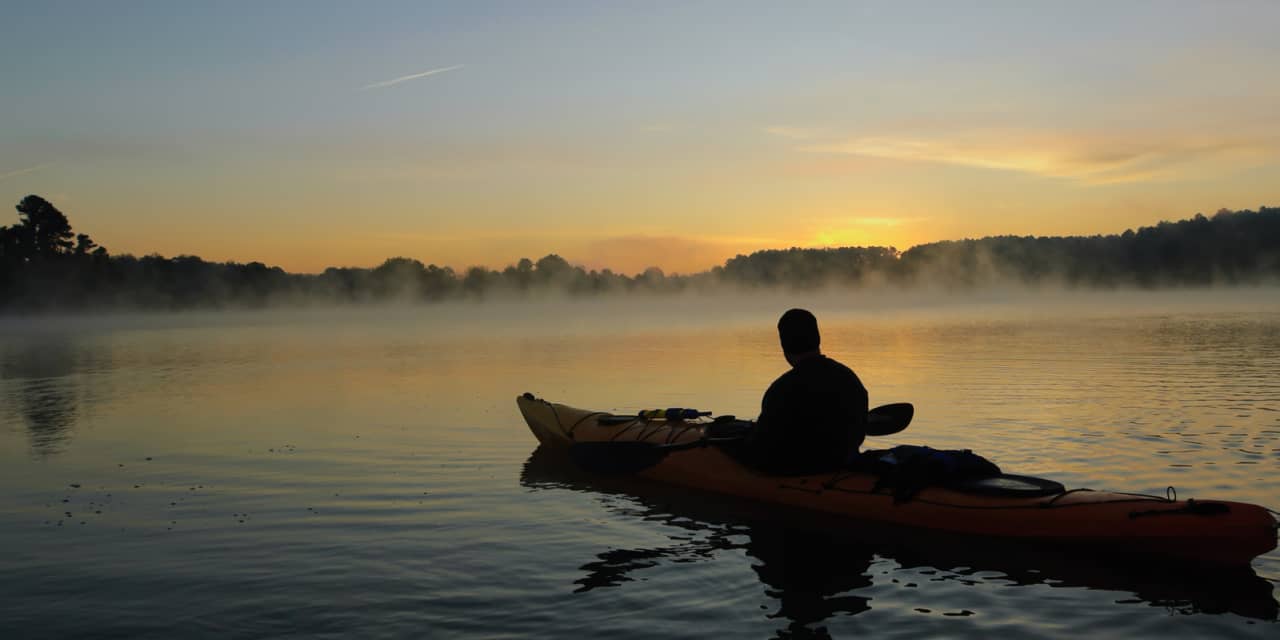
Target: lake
[365,472]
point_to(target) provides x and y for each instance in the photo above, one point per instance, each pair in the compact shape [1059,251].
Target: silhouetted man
[813,417]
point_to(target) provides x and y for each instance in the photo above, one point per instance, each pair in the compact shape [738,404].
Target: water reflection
[36,374]
[810,575]
[815,570]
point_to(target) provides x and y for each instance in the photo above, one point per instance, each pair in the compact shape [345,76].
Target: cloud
[413,76]
[19,172]
[1092,158]
[793,133]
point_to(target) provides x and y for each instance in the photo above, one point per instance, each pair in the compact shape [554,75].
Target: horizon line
[462,270]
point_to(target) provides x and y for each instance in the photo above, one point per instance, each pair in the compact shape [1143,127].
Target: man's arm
[860,407]
[772,416]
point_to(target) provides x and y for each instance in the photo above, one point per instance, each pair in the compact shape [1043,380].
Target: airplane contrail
[415,76]
[19,172]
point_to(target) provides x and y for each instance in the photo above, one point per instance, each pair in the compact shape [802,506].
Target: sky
[627,135]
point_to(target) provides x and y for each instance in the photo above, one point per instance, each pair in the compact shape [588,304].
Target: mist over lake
[364,471]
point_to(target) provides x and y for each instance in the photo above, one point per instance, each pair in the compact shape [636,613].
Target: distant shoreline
[43,269]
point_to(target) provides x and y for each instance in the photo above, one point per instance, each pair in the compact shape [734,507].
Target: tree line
[44,265]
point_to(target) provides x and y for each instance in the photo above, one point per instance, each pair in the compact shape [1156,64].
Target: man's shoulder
[832,362]
[836,365]
[840,369]
[788,377]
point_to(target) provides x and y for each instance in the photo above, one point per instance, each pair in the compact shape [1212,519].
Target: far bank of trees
[44,265]
[1230,248]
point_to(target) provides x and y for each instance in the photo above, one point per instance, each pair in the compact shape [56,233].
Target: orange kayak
[1215,532]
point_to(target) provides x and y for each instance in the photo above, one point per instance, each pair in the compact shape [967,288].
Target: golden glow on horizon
[330,240]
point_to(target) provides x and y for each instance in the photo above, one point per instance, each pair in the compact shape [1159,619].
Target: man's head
[798,332]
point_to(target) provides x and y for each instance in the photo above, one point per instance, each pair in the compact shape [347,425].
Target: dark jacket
[811,419]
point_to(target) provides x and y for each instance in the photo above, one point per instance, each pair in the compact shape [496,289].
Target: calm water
[366,473]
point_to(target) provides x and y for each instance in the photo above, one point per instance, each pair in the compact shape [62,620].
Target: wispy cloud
[412,76]
[1088,158]
[20,172]
[793,133]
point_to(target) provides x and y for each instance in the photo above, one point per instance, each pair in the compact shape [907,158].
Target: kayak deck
[1212,532]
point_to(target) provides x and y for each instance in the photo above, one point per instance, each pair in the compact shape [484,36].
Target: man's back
[811,419]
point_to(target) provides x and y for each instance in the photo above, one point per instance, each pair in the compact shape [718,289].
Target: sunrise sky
[314,134]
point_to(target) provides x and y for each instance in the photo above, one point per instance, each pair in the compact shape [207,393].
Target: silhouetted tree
[519,276]
[550,269]
[478,280]
[84,245]
[44,231]
[438,283]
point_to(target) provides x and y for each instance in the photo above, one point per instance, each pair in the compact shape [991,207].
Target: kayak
[1018,508]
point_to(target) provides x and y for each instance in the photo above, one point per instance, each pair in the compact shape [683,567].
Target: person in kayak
[813,418]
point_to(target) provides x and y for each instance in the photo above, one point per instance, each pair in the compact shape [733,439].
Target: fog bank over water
[562,314]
